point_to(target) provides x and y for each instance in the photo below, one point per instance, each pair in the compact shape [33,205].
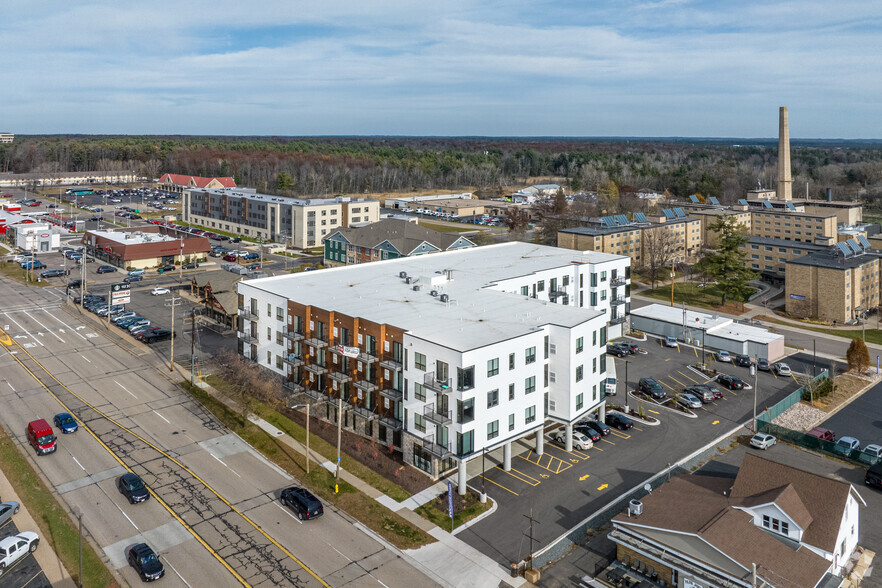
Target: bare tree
[659,245]
[246,383]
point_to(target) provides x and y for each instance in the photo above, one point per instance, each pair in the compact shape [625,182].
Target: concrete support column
[569,444]
[506,456]
[540,441]
[601,414]
[461,478]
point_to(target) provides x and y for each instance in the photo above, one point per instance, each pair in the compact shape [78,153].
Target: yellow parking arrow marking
[585,477]
[715,423]
[603,487]
[668,359]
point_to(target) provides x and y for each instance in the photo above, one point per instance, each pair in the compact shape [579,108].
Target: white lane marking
[125,515]
[225,465]
[30,316]
[124,388]
[162,417]
[176,572]
[75,329]
[10,385]
[23,329]
[78,463]
[86,358]
[285,510]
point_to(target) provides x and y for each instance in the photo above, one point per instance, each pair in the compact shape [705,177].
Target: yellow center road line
[501,486]
[217,556]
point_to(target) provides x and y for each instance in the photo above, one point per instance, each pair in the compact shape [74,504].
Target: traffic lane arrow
[603,487]
[585,477]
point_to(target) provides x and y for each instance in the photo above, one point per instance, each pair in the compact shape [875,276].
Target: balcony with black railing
[292,336]
[293,360]
[617,320]
[431,382]
[315,368]
[617,301]
[247,314]
[391,422]
[365,385]
[392,364]
[392,394]
[365,413]
[368,356]
[439,417]
[293,387]
[248,338]
[316,342]
[558,292]
[437,449]
[618,281]
[341,377]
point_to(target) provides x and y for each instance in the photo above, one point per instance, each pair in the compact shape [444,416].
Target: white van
[610,383]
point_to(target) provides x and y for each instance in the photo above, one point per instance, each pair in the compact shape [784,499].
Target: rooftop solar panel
[843,248]
[767,204]
[693,198]
[865,243]
[678,212]
[742,202]
[639,217]
[713,200]
[622,219]
[668,213]
[855,246]
[608,221]
[790,206]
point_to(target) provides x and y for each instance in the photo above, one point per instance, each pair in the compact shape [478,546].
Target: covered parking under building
[710,331]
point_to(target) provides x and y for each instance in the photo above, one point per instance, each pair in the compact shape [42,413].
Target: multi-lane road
[214,515]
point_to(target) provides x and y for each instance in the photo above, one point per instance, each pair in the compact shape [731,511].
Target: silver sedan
[7,509]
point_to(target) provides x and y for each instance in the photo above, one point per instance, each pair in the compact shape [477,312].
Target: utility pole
[339,436]
[755,390]
[79,514]
[672,282]
[192,349]
[181,272]
[307,437]
[174,301]
[529,558]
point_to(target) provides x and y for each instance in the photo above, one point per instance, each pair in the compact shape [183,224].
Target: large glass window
[419,392]
[465,378]
[511,361]
[511,422]
[419,422]
[465,410]
[579,373]
[530,385]
[422,458]
[529,414]
[530,355]
[492,430]
[579,401]
[419,361]
[465,443]
[580,344]
[492,398]
[492,367]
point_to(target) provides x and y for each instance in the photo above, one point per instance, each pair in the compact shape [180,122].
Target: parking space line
[605,441]
[687,377]
[531,481]
[32,579]
[665,385]
[501,486]
[622,435]
[576,452]
[638,428]
[551,460]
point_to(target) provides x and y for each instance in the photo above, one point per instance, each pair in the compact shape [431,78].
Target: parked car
[166,268]
[145,562]
[781,369]
[66,423]
[105,269]
[619,421]
[873,477]
[230,257]
[191,265]
[846,445]
[588,432]
[652,387]
[75,283]
[763,365]
[871,453]
[632,347]
[597,426]
[724,356]
[159,291]
[36,264]
[123,316]
[7,511]
[742,360]
[52,273]
[730,382]
[823,434]
[16,547]
[254,266]
[302,502]
[252,256]
[155,336]
[130,279]
[132,487]
[580,441]
[142,322]
[137,272]
[617,349]
[670,342]
[701,392]
[762,441]
[689,400]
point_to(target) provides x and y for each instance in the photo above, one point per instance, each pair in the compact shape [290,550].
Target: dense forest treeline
[340,165]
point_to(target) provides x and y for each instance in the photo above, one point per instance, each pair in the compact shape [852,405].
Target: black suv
[652,387]
[619,421]
[105,269]
[730,382]
[145,562]
[874,476]
[589,432]
[742,361]
[617,349]
[301,501]
[132,488]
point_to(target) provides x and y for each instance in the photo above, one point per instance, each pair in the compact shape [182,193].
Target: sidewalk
[45,555]
[449,561]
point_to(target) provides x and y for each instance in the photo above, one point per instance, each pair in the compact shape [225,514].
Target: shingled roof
[403,235]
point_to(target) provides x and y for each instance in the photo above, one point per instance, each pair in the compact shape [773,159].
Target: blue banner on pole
[450,499]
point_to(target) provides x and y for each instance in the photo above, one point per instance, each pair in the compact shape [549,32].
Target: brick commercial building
[302,223]
[145,247]
[179,182]
[387,239]
[448,354]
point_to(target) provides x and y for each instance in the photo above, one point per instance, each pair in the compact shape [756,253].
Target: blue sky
[457,67]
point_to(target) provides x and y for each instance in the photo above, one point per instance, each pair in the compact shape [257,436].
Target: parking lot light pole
[171,362]
[755,390]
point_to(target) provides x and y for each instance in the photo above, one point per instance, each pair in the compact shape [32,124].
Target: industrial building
[445,355]
[85,178]
[299,222]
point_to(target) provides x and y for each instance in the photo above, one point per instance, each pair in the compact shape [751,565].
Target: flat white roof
[134,238]
[476,315]
[286,200]
[718,326]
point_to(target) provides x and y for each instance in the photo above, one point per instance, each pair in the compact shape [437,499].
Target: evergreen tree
[728,265]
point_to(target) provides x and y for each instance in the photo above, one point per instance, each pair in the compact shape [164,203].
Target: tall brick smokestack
[785,182]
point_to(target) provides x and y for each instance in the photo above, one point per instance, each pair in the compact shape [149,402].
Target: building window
[492,367]
[419,392]
[525,290]
[492,430]
[492,398]
[269,357]
[465,410]
[580,343]
[511,422]
[419,361]
[269,334]
[511,392]
[278,337]
[579,401]
[511,361]
[540,286]
[279,316]
[419,422]
[530,385]
[422,458]
[594,366]
[530,414]
[465,378]
[579,373]
[465,443]
[530,355]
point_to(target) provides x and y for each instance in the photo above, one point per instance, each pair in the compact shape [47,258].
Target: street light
[78,512]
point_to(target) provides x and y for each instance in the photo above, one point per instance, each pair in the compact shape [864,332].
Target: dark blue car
[66,423]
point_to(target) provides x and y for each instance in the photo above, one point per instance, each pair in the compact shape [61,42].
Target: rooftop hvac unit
[416,288]
[445,298]
[408,280]
[635,508]
[402,275]
[434,293]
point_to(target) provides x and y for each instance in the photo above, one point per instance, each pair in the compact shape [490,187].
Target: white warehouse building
[446,355]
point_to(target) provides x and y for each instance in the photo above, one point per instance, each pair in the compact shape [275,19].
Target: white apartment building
[443,356]
[300,222]
[7,137]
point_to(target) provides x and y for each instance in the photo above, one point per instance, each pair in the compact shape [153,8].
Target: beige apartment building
[794,226]
[829,285]
[302,223]
[769,257]
[619,236]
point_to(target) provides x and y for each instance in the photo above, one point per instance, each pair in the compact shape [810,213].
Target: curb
[480,517]
[857,395]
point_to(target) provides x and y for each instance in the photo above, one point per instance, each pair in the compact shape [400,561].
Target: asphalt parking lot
[861,419]
[563,488]
[26,571]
